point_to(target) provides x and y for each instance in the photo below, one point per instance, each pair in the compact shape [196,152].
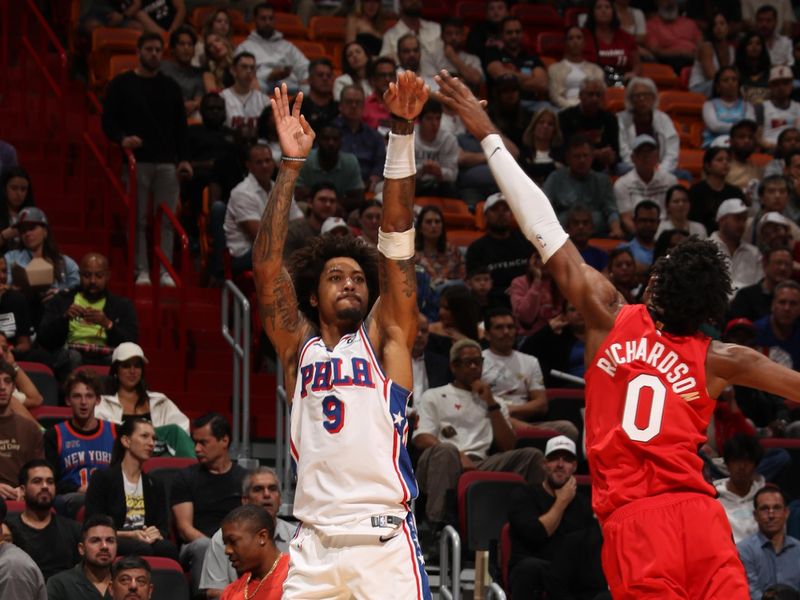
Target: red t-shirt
[272,589]
[618,53]
[647,412]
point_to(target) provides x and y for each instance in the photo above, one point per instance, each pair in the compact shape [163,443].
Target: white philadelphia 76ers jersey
[348,439]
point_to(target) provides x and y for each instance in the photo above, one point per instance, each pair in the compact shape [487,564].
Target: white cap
[492,200]
[332,223]
[126,351]
[731,206]
[774,217]
[560,443]
[642,139]
[780,73]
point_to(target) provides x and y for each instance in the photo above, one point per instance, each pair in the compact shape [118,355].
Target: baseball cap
[332,223]
[32,215]
[126,351]
[779,73]
[740,322]
[774,217]
[560,443]
[642,140]
[731,206]
[492,200]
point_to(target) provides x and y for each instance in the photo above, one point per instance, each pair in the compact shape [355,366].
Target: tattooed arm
[285,326]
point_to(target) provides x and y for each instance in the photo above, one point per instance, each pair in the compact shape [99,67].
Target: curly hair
[307,263]
[690,286]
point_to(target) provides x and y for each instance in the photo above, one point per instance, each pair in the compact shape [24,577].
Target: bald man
[84,326]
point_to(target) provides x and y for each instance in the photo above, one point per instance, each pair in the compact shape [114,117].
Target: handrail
[48,31]
[45,73]
[283,427]
[447,590]
[494,592]
[240,344]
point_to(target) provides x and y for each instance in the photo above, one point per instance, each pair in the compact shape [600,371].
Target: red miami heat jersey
[647,412]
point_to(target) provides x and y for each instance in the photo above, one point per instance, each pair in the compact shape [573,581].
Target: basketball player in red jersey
[651,380]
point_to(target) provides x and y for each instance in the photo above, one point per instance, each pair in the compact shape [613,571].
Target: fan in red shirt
[651,377]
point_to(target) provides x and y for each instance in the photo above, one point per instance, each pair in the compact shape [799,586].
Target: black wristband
[493,407]
[403,119]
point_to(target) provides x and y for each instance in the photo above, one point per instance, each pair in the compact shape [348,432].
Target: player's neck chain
[263,579]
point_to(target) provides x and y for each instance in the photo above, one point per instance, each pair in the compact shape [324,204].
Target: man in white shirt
[516,378]
[428,32]
[644,182]
[780,111]
[785,14]
[244,102]
[458,423]
[246,205]
[779,46]
[277,60]
[436,153]
[742,454]
[744,260]
[455,59]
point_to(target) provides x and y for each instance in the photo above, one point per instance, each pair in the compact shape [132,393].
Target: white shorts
[342,567]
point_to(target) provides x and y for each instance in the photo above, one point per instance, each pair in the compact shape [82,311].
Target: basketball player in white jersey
[343,324]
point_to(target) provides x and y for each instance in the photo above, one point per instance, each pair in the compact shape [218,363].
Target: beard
[350,317]
[36,504]
[556,485]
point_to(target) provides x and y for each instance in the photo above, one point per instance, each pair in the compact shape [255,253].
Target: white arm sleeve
[530,206]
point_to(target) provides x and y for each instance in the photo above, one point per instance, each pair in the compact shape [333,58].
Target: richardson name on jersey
[649,353]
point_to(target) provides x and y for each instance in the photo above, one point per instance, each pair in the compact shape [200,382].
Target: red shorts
[672,546]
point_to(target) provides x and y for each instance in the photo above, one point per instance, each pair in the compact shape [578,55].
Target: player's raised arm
[286,327]
[730,364]
[591,293]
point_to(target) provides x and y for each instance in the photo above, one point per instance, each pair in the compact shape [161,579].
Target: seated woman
[459,318]
[726,107]
[128,397]
[706,195]
[713,53]
[753,64]
[541,142]
[676,216]
[355,67]
[622,273]
[135,501]
[16,193]
[218,62]
[217,22]
[566,75]
[366,25]
[535,298]
[609,46]
[442,261]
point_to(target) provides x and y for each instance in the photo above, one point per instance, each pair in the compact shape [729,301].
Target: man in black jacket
[85,326]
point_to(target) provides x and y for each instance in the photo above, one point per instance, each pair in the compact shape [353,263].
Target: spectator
[369,219]
[79,446]
[188,77]
[136,502]
[111,13]
[487,33]
[780,328]
[268,134]
[506,111]
[475,180]
[327,162]
[641,115]
[319,105]
[725,108]
[779,46]
[365,25]
[479,282]
[705,196]
[631,20]
[622,273]
[355,67]
[49,539]
[792,173]
[503,249]
[217,22]
[162,17]
[774,231]
[667,240]
[249,533]
[431,369]
[516,378]
[16,324]
[457,425]
[459,318]
[442,261]
[16,194]
[20,438]
[559,346]
[512,59]
[741,453]
[428,33]
[579,226]
[753,64]
[591,119]
[409,55]
[91,577]
[541,143]
[608,45]
[542,516]
[744,171]
[579,184]
[535,298]
[218,62]
[788,142]
[144,113]
[672,38]
[246,205]
[779,112]
[359,139]
[203,494]
[131,577]
[25,395]
[376,114]
[323,205]
[676,215]
[646,217]
[436,153]
[19,575]
[769,555]
[277,60]
[644,182]
[714,53]
[260,488]
[244,102]
[455,59]
[773,195]
[566,76]
[84,326]
[786,16]
[744,260]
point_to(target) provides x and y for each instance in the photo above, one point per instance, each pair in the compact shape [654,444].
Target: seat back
[290,25]
[487,504]
[176,463]
[469,479]
[504,553]
[49,416]
[169,581]
[46,384]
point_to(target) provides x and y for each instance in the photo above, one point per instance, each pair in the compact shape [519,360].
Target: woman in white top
[631,20]
[355,64]
[713,53]
[566,75]
[677,213]
[726,106]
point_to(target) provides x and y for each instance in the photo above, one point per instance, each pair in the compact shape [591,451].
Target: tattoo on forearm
[404,272]
[281,313]
[274,225]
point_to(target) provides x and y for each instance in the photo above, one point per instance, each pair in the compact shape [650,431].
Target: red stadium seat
[167,462]
[47,416]
[504,554]
[663,75]
[290,26]
[99,370]
[327,30]
[471,11]
[550,43]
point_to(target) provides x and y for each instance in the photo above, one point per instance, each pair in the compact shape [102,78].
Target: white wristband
[396,245]
[400,161]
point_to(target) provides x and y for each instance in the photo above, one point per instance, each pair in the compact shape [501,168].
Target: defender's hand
[458,97]
[406,97]
[294,132]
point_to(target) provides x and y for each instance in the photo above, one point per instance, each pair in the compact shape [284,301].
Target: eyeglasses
[470,362]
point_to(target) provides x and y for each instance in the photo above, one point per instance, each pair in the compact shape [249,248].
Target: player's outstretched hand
[294,132]
[406,97]
[457,96]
